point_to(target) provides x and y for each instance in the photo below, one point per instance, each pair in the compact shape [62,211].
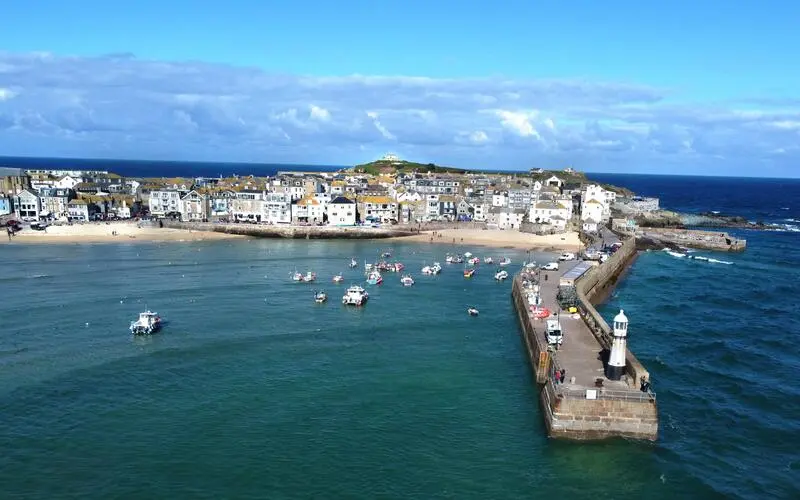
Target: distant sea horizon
[131,167]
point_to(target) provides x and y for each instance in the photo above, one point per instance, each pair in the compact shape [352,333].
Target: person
[563,375]
[10,232]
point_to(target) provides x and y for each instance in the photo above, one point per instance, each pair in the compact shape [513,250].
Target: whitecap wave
[715,261]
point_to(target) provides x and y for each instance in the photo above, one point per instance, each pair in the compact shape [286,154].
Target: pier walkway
[580,353]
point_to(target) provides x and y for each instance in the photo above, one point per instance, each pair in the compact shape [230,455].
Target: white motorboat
[353,264]
[407,280]
[309,277]
[320,297]
[367,267]
[474,261]
[149,322]
[297,276]
[472,311]
[355,296]
[488,260]
[436,268]
[505,261]
[427,270]
[338,278]
[501,275]
[468,254]
[375,278]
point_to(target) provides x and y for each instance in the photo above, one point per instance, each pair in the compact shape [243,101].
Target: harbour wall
[590,413]
[297,232]
[694,238]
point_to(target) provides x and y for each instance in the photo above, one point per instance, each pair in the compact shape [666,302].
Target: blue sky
[679,86]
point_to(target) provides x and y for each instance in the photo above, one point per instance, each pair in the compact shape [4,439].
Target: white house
[67,182]
[481,210]
[308,209]
[278,208]
[165,201]
[506,218]
[500,199]
[377,208]
[28,205]
[54,202]
[78,210]
[408,197]
[220,204]
[123,211]
[605,197]
[590,225]
[554,181]
[592,210]
[341,212]
[194,207]
[549,212]
[247,206]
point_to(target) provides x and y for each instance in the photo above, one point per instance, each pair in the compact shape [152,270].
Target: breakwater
[584,404]
[693,238]
[295,232]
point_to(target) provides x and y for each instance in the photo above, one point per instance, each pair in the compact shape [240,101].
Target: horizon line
[319,165]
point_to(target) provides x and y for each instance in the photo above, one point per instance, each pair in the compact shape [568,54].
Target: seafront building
[541,201]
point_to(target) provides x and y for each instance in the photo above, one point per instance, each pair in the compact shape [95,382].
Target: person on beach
[10,233]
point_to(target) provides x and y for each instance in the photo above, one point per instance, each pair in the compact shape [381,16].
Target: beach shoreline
[112,232]
[495,238]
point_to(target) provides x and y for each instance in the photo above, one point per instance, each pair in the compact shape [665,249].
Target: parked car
[551,266]
[566,256]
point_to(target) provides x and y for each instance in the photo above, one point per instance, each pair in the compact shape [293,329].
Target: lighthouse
[616,361]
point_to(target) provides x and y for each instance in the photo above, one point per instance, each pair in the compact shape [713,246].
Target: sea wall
[693,238]
[535,345]
[297,232]
[573,415]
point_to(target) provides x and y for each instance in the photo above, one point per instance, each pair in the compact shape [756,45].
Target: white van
[552,266]
[554,334]
[566,256]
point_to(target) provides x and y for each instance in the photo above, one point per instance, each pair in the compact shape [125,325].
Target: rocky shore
[675,220]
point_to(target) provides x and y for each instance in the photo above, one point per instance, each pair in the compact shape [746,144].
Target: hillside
[389,167]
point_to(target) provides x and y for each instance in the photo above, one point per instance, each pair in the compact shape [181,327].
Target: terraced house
[377,209]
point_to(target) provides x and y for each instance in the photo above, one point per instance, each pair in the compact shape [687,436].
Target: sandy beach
[102,232]
[500,239]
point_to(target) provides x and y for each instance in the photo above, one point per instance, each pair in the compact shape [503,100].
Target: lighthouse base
[614,372]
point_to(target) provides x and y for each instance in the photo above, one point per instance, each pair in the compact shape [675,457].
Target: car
[551,266]
[566,256]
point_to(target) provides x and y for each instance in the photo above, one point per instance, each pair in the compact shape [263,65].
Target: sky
[678,87]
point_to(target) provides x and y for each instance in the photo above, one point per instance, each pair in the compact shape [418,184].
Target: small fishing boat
[505,261]
[367,266]
[488,260]
[469,272]
[501,275]
[407,280]
[375,278]
[398,267]
[472,311]
[474,261]
[353,264]
[309,277]
[149,322]
[428,270]
[320,297]
[338,278]
[468,254]
[355,296]
[436,268]
[386,255]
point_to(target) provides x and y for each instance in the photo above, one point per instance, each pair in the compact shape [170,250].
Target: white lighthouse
[616,361]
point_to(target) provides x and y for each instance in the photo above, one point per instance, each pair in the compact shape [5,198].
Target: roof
[376,199]
[593,201]
[78,201]
[307,201]
[590,221]
[341,200]
[11,172]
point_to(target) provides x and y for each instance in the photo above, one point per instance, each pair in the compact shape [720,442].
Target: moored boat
[469,272]
[309,277]
[149,322]
[353,264]
[407,280]
[505,261]
[501,275]
[320,297]
[474,261]
[375,278]
[488,260]
[338,278]
[355,296]
[472,311]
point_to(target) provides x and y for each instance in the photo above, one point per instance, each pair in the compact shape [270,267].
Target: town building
[13,180]
[377,209]
[308,210]
[164,203]
[54,202]
[248,206]
[27,205]
[341,212]
[505,217]
[278,208]
[193,207]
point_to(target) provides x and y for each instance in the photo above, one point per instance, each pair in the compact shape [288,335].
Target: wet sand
[111,233]
[500,239]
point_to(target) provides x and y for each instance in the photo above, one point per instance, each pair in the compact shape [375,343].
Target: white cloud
[319,114]
[52,105]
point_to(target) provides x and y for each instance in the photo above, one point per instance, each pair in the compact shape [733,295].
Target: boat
[353,264]
[407,280]
[427,270]
[355,296]
[474,261]
[398,266]
[375,278]
[309,277]
[468,254]
[367,266]
[501,275]
[469,272]
[386,255]
[453,259]
[488,260]
[320,297]
[149,322]
[472,311]
[436,268]
[297,276]
[338,278]
[505,261]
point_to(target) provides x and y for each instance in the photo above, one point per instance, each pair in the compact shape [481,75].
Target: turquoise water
[254,391]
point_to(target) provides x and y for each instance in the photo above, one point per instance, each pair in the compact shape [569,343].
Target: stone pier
[587,405]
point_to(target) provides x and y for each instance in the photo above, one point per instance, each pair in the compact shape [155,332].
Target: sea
[252,390]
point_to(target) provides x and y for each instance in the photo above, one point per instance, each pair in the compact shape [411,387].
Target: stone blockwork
[589,419]
[297,232]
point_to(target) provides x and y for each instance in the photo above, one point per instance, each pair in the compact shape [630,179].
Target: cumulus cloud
[118,105]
